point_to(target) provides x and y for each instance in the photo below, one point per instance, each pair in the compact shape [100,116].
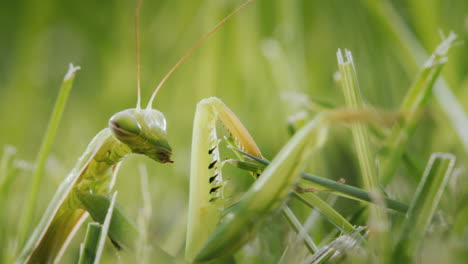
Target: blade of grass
[360,131]
[333,216]
[378,223]
[104,230]
[424,203]
[286,211]
[144,217]
[6,167]
[407,42]
[338,246]
[89,246]
[323,184]
[7,174]
[379,241]
[414,100]
[296,225]
[44,152]
[313,225]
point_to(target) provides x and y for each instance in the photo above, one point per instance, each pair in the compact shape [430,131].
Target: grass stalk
[144,217]
[378,228]
[424,203]
[44,152]
[299,229]
[414,100]
[331,214]
[6,166]
[359,130]
[7,171]
[407,42]
[104,230]
[7,174]
[89,246]
[324,184]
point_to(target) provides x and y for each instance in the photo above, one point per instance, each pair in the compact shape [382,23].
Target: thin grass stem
[299,229]
[88,248]
[326,185]
[44,151]
[414,100]
[424,203]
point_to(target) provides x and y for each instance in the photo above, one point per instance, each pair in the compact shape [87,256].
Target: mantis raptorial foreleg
[206,183]
[206,241]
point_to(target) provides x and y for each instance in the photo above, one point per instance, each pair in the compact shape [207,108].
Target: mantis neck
[97,174]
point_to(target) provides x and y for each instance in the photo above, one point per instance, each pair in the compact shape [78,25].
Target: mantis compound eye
[124,125]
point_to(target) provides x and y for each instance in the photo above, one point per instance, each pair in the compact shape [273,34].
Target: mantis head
[143,131]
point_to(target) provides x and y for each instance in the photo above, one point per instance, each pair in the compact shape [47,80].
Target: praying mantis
[214,231]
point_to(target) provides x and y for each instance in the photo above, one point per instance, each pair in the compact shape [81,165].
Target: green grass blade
[6,167]
[144,217]
[359,130]
[414,100]
[336,247]
[333,216]
[408,43]
[105,229]
[425,202]
[324,184]
[378,224]
[7,171]
[298,228]
[366,156]
[89,246]
[44,152]
[7,175]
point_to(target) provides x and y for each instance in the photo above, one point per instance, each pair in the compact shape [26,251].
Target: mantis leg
[212,233]
[206,183]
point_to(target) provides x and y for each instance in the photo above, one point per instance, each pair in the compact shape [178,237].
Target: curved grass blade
[294,222]
[89,247]
[414,100]
[424,204]
[379,238]
[105,229]
[44,151]
[333,216]
[8,173]
[323,184]
[7,168]
[407,42]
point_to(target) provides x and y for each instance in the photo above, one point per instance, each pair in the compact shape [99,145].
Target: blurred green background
[270,48]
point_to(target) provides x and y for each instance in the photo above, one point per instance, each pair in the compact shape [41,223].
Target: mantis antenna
[137,47]
[207,35]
